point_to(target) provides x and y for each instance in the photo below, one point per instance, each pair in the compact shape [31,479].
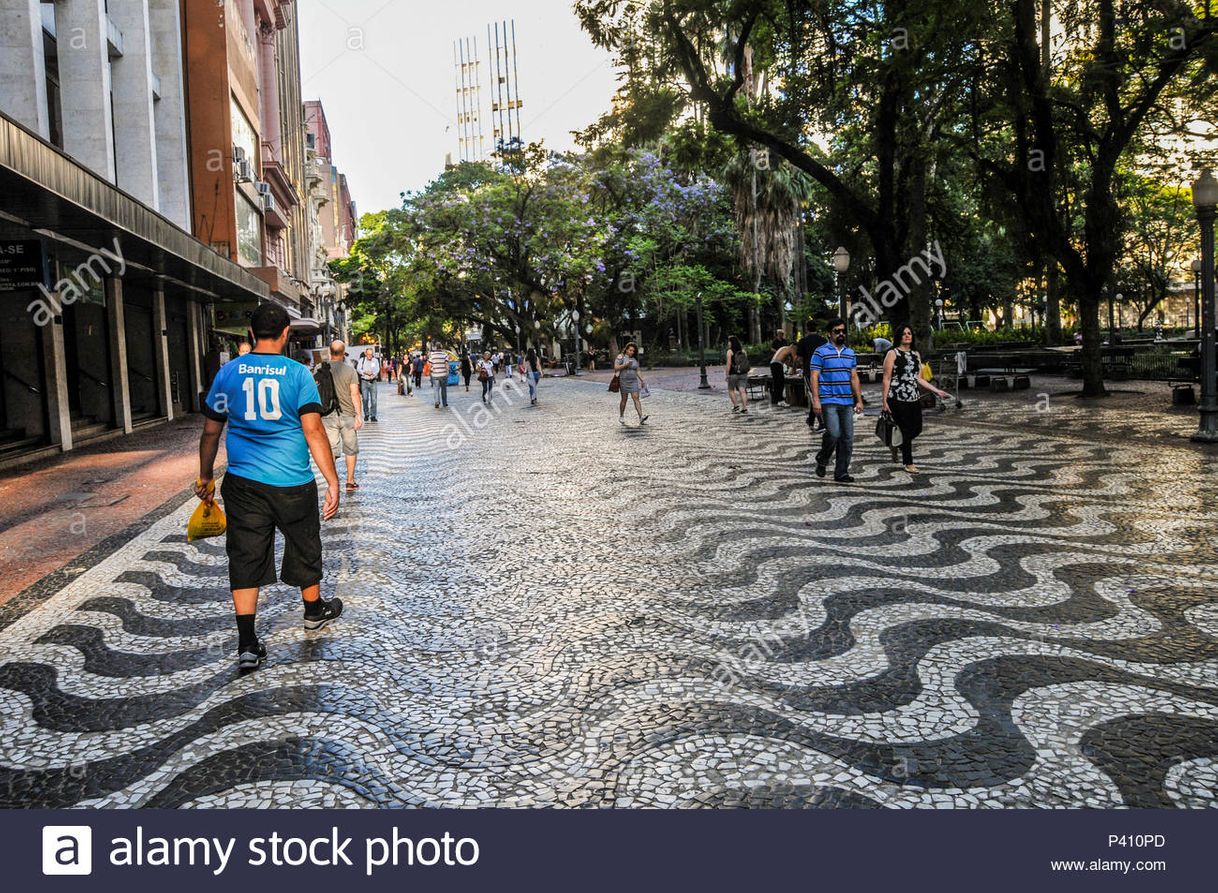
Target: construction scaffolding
[505,89]
[471,140]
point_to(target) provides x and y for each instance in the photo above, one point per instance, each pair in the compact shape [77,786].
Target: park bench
[1005,378]
[1117,361]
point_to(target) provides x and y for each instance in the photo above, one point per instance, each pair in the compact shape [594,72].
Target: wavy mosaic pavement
[547,609]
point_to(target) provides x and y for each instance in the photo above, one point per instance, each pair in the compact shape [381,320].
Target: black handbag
[888,431]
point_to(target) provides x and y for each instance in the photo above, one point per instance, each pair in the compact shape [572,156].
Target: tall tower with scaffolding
[505,87]
[471,140]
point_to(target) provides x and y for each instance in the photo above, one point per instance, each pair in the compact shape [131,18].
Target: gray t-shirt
[629,375]
[344,377]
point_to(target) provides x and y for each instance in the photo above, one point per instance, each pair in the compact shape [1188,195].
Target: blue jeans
[442,393]
[533,378]
[367,390]
[839,435]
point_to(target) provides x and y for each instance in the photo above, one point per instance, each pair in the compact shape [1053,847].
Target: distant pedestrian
[343,417]
[627,368]
[416,370]
[509,363]
[486,375]
[369,370]
[272,409]
[804,349]
[837,397]
[903,386]
[467,368]
[738,376]
[439,374]
[786,355]
[532,373]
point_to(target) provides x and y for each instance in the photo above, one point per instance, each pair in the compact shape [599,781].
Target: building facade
[333,218]
[154,189]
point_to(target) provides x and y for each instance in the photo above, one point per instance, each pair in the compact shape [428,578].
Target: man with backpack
[342,408]
[416,368]
[804,349]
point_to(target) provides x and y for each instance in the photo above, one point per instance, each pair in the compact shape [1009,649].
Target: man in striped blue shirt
[837,398]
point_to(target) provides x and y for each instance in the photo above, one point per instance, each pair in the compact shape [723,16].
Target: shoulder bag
[887,430]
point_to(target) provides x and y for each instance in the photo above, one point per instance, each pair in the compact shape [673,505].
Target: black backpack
[324,376]
[740,362]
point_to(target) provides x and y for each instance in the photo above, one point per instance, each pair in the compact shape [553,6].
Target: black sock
[246,636]
[312,609]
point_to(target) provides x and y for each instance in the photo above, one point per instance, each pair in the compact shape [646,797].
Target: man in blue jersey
[837,397]
[273,412]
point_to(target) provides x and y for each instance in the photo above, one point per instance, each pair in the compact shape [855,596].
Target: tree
[1056,137]
[856,96]
[1158,234]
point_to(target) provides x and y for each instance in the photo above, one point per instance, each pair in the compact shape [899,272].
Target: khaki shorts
[343,437]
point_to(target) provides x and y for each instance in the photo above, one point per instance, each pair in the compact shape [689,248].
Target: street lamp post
[705,385]
[1205,200]
[939,312]
[575,318]
[1196,265]
[841,265]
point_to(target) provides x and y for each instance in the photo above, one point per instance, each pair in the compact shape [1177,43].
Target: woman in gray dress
[627,368]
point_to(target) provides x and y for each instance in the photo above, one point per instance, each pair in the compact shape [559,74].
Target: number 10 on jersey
[265,404]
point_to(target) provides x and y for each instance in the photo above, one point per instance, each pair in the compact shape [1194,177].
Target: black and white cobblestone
[545,609]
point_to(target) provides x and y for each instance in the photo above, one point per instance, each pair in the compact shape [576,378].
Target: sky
[384,71]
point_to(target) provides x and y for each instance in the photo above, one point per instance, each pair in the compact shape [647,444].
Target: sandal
[352,486]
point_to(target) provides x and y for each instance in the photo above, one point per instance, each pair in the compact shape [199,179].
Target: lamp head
[1205,190]
[841,260]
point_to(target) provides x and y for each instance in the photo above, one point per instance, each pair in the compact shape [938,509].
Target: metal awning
[48,192]
[305,328]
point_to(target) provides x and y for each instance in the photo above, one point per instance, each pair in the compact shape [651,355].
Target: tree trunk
[1091,357]
[919,296]
[1053,304]
[754,324]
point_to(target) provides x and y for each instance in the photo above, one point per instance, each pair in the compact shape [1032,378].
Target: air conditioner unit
[264,188]
[245,171]
[239,155]
[268,202]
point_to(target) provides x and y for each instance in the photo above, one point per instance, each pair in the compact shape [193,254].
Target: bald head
[338,350]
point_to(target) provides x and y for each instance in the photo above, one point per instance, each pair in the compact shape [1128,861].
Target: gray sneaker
[329,610]
[250,659]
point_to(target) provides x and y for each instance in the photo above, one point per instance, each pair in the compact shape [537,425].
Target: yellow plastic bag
[927,373]
[208,520]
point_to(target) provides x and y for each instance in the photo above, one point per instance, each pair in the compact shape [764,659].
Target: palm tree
[768,197]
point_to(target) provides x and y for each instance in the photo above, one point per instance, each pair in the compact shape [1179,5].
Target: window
[249,232]
[243,133]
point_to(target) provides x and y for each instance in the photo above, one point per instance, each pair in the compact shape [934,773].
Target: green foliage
[516,248]
[983,337]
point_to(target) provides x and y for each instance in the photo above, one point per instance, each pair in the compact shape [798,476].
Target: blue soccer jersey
[262,398]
